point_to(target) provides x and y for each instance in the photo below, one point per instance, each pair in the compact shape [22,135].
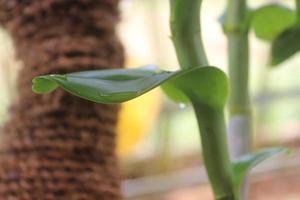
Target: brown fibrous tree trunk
[56,146]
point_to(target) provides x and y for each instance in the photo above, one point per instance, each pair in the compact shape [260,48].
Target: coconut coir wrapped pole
[57,146]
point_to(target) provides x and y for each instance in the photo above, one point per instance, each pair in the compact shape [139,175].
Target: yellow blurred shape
[135,120]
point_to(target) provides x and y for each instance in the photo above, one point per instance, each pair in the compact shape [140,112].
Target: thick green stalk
[215,152]
[186,33]
[185,27]
[239,104]
[240,123]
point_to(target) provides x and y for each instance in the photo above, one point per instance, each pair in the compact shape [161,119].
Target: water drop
[182,106]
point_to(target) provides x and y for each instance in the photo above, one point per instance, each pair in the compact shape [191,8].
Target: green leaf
[243,165]
[206,85]
[209,84]
[175,93]
[105,86]
[285,45]
[270,20]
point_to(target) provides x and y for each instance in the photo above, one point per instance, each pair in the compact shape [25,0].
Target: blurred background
[158,143]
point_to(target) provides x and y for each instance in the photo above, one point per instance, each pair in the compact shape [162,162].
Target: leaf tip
[43,84]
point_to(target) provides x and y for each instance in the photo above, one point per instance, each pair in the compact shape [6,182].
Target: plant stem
[185,27]
[215,152]
[240,124]
[239,103]
[186,33]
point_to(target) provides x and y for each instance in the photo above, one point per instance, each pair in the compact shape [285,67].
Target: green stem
[238,73]
[186,33]
[298,12]
[239,103]
[240,123]
[215,152]
[185,28]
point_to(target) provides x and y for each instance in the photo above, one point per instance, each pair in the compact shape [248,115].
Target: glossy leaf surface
[207,85]
[242,166]
[105,86]
[271,20]
[285,45]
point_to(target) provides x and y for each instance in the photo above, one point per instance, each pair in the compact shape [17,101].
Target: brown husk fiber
[56,146]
